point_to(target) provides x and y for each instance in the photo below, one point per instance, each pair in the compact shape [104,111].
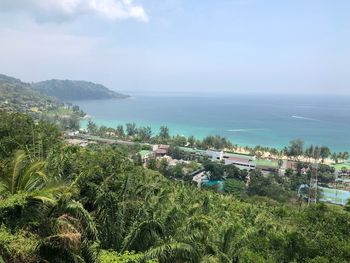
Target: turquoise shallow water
[244,119]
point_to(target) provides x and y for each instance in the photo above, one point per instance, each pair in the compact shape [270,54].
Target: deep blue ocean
[269,120]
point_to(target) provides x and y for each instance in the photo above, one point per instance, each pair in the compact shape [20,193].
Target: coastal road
[105,140]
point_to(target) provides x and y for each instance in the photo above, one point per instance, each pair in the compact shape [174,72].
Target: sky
[149,46]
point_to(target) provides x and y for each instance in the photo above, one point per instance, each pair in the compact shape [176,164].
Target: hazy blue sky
[180,45]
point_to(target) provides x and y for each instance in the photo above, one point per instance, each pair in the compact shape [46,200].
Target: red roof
[291,164]
[161,151]
[162,146]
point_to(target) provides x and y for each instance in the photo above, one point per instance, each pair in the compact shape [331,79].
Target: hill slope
[68,90]
[16,95]
[4,79]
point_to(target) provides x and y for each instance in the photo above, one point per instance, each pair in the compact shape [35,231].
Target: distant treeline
[294,150]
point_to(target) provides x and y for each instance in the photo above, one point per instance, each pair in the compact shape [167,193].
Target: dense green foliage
[94,204]
[68,90]
[17,96]
[21,132]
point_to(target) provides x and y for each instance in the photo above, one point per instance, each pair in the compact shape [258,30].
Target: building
[146,155]
[78,142]
[163,146]
[73,133]
[161,150]
[215,155]
[241,163]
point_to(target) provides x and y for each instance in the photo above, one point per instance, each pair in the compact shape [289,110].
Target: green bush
[20,246]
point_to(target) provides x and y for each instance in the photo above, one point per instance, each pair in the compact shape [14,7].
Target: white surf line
[303,118]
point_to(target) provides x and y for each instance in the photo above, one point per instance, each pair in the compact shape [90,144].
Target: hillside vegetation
[69,90]
[61,203]
[17,96]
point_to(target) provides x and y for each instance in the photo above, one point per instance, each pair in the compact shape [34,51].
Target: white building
[215,155]
[73,133]
[242,163]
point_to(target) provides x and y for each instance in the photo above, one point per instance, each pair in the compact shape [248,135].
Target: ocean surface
[268,120]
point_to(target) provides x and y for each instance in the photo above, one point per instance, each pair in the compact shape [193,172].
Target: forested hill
[4,79]
[16,95]
[68,90]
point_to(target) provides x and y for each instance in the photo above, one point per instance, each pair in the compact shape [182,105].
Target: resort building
[241,163]
[215,155]
[161,150]
[146,155]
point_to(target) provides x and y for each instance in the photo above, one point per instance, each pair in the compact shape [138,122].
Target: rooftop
[161,151]
[193,150]
[238,155]
[143,153]
[240,160]
[163,146]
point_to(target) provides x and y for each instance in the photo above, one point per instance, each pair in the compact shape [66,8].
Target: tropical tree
[334,157]
[144,133]
[172,252]
[120,131]
[131,129]
[164,133]
[92,127]
[235,187]
[324,153]
[69,235]
[26,176]
[191,141]
[295,148]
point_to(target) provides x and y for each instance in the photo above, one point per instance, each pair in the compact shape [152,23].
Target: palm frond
[172,252]
[77,210]
[142,235]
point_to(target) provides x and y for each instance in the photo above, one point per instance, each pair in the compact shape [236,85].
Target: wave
[303,118]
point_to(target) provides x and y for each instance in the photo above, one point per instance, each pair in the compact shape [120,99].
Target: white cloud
[60,10]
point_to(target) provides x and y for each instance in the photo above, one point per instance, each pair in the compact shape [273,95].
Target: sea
[245,119]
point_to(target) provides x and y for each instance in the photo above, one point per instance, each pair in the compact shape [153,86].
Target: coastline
[245,149]
[271,122]
[178,131]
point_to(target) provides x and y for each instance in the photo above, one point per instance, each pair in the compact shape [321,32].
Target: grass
[266,163]
[339,166]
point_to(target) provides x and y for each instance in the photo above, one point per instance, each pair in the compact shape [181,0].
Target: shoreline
[172,131]
[244,149]
[270,122]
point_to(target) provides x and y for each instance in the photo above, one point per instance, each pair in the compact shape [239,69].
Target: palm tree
[143,235]
[69,234]
[172,252]
[334,157]
[29,177]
